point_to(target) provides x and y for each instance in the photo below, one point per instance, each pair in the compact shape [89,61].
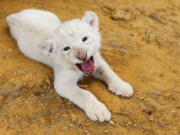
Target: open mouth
[87,67]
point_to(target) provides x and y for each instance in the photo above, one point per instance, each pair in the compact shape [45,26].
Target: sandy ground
[140,41]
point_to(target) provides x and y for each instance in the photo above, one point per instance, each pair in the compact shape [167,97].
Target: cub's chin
[87,67]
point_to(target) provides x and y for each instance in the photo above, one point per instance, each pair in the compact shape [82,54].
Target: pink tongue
[87,67]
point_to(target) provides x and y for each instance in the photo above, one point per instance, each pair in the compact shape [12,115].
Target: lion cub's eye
[66,48]
[84,39]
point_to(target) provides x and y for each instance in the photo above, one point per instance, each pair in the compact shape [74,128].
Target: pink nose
[81,55]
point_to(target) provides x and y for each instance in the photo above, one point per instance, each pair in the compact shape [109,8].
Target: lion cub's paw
[97,111]
[121,88]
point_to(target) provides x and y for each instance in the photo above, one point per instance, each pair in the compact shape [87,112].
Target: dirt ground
[140,41]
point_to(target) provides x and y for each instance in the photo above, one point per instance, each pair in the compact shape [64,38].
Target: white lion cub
[72,50]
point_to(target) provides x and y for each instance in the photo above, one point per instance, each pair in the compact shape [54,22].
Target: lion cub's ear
[91,18]
[47,47]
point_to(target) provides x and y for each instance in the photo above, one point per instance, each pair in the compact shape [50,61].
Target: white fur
[41,36]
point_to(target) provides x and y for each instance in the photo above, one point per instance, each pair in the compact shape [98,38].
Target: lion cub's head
[75,43]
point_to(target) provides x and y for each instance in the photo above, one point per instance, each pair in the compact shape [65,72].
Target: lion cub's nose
[81,55]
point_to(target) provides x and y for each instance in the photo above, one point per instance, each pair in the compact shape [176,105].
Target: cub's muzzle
[81,55]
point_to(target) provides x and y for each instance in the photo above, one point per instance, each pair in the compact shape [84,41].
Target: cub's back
[37,21]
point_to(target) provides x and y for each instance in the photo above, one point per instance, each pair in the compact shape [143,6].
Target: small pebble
[151,118]
[73,117]
[114,43]
[129,122]
[70,125]
[112,122]
[10,50]
[84,85]
[48,81]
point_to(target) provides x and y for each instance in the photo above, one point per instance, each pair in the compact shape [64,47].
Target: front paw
[121,88]
[97,111]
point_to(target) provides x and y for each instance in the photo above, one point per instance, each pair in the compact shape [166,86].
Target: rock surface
[140,41]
